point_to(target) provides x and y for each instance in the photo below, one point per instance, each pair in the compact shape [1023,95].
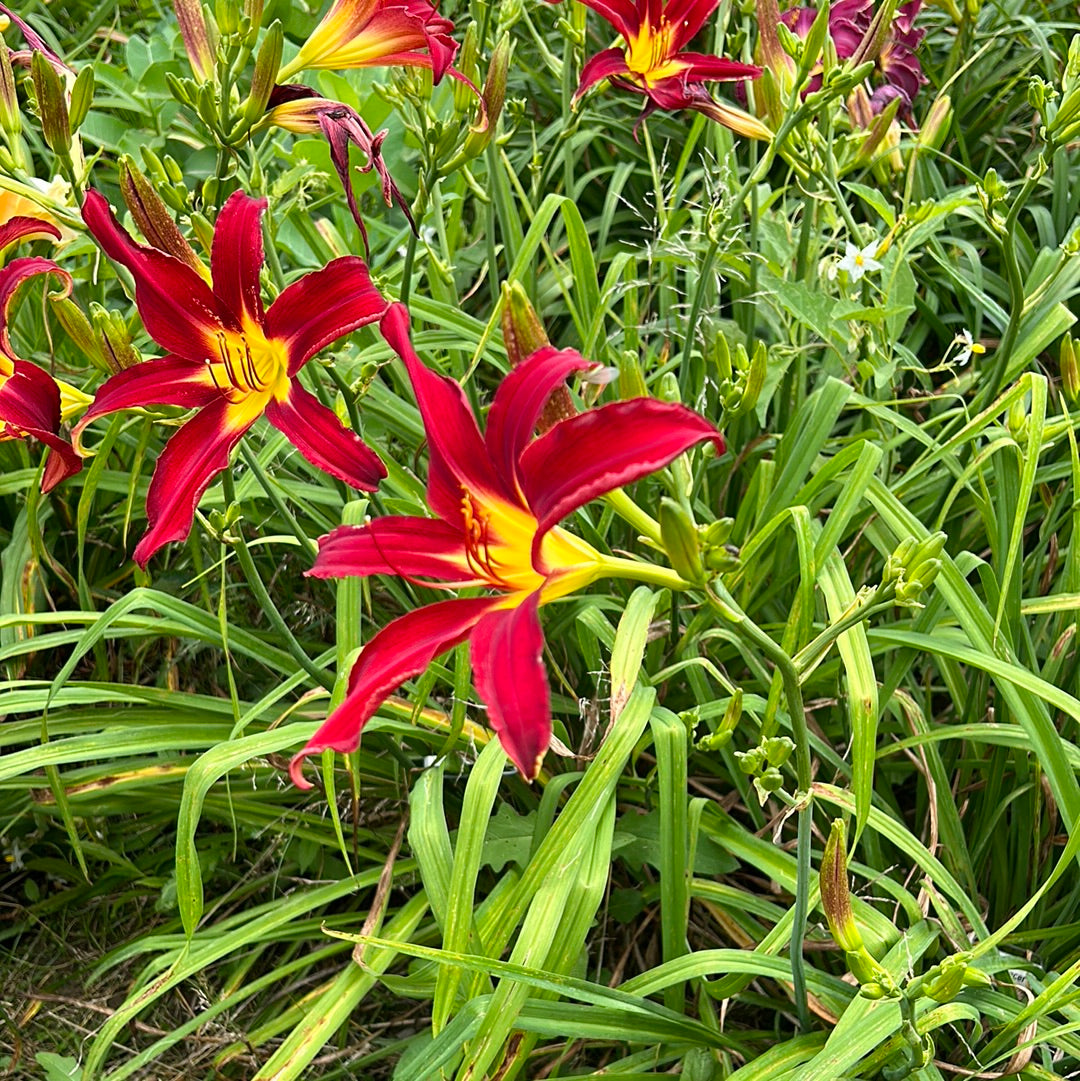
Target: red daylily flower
[230,359]
[654,63]
[30,397]
[499,498]
[377,33]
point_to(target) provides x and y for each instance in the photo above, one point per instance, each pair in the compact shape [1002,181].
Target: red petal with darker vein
[595,452]
[190,461]
[459,459]
[519,401]
[624,15]
[12,276]
[323,306]
[408,546]
[177,307]
[687,17]
[401,650]
[159,381]
[236,256]
[506,649]
[320,437]
[706,66]
[609,64]
[23,225]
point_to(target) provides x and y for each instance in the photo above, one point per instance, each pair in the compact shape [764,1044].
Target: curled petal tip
[296,771]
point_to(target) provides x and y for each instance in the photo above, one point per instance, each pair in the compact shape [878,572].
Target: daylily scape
[498,497]
[230,359]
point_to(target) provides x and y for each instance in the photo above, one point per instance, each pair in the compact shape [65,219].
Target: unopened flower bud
[523,333]
[264,77]
[467,63]
[82,97]
[152,217]
[835,897]
[936,126]
[10,116]
[114,339]
[1070,369]
[681,541]
[77,327]
[722,736]
[52,104]
[196,36]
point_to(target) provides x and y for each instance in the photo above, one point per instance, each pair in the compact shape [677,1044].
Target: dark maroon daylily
[297,108]
[897,65]
[230,359]
[654,62]
[498,497]
[30,397]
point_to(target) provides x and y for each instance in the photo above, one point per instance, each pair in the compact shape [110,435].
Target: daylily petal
[622,14]
[519,402]
[18,227]
[603,449]
[177,306]
[30,405]
[401,650]
[608,64]
[323,306]
[12,276]
[236,256]
[190,461]
[506,648]
[458,457]
[404,545]
[704,66]
[320,437]
[686,18]
[159,381]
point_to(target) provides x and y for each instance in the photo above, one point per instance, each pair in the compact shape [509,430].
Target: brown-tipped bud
[495,84]
[196,35]
[523,334]
[52,104]
[1070,369]
[10,116]
[772,52]
[152,217]
[522,330]
[835,897]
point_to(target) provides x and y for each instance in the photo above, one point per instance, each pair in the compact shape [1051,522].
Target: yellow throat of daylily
[248,365]
[648,54]
[498,544]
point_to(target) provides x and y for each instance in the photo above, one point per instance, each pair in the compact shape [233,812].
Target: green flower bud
[749,762]
[77,327]
[264,76]
[1070,369]
[777,749]
[82,97]
[936,126]
[114,340]
[681,541]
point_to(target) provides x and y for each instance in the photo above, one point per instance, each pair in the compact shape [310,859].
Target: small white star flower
[968,346]
[859,261]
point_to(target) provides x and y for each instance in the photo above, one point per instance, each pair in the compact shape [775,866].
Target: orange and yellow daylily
[230,359]
[30,397]
[377,33]
[498,498]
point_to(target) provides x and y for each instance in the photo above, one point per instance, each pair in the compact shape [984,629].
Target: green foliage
[880,621]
